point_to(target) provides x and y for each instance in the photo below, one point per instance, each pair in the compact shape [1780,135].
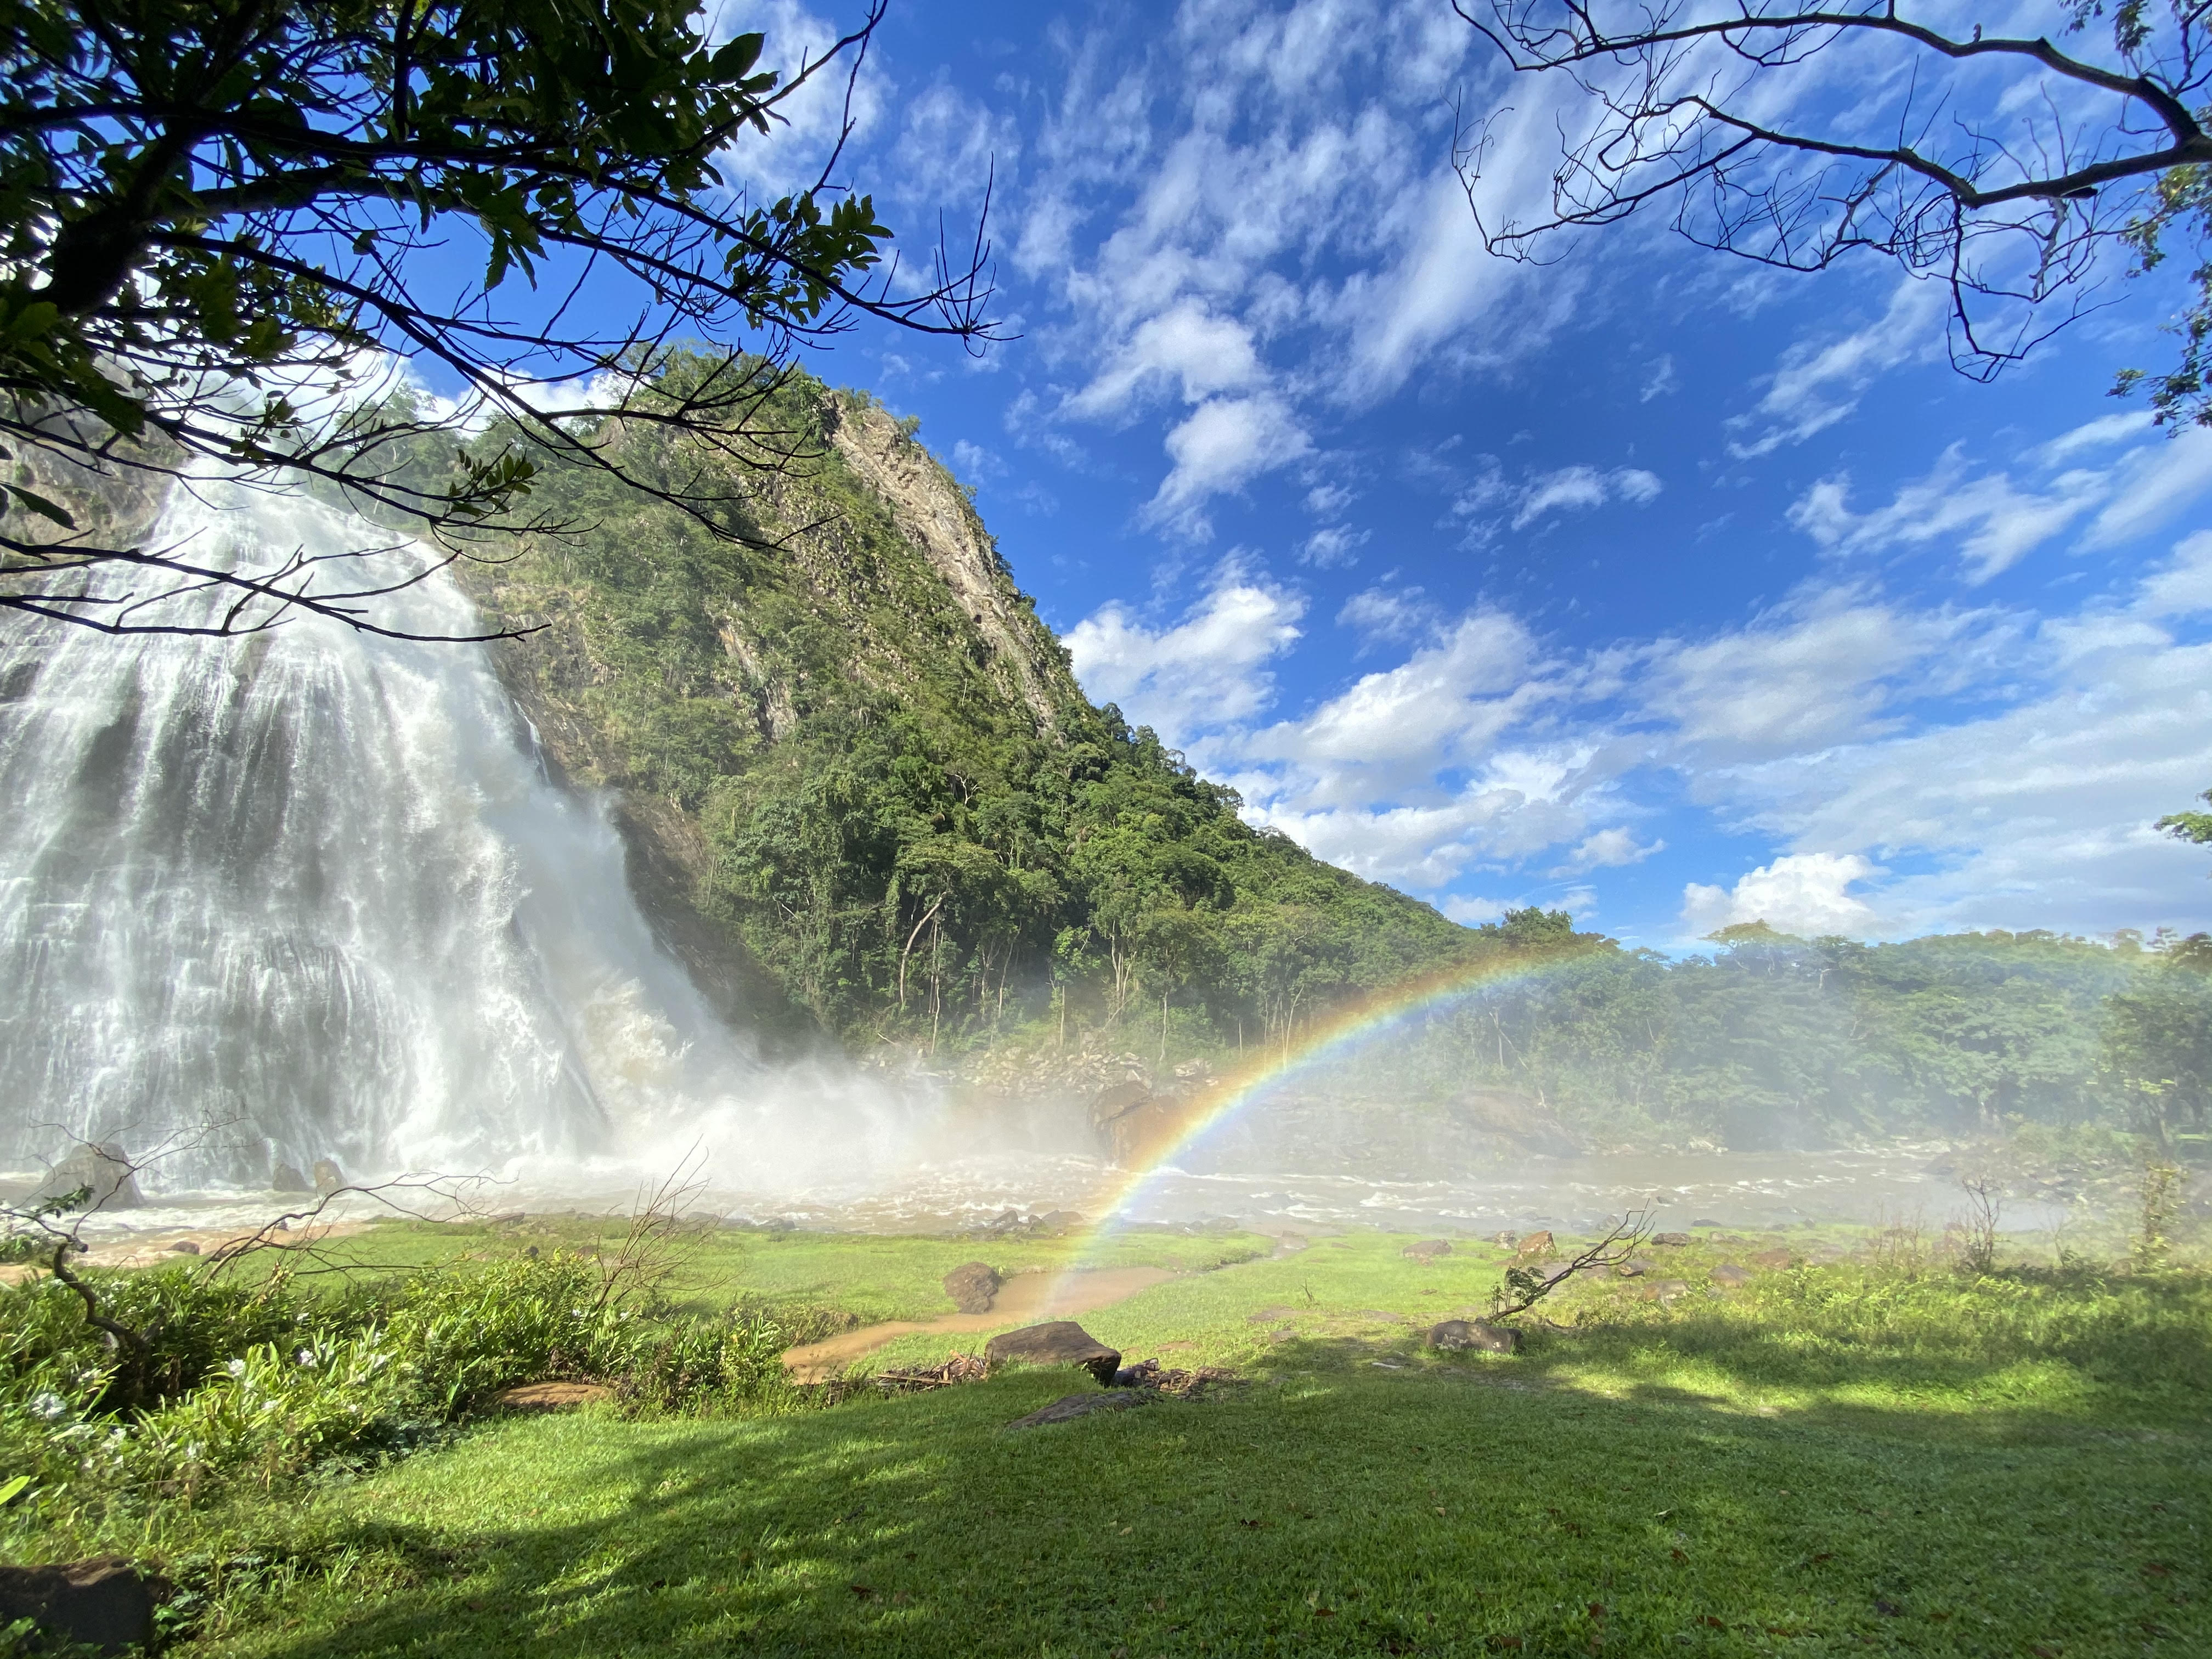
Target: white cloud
[1383,613]
[1223,446]
[2153,484]
[1804,893]
[807,124]
[1659,380]
[1186,345]
[1471,911]
[1816,386]
[1607,849]
[2182,587]
[974,461]
[2099,434]
[1577,489]
[1990,521]
[1203,672]
[1818,672]
[1331,547]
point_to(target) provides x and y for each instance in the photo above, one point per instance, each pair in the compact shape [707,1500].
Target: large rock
[1455,1335]
[106,1169]
[1728,1273]
[1062,1342]
[1636,1267]
[283,1178]
[971,1285]
[1427,1250]
[1775,1259]
[1671,1239]
[1534,1245]
[102,1603]
[326,1175]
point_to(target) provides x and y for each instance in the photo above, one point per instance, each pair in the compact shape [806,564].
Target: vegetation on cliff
[841,726]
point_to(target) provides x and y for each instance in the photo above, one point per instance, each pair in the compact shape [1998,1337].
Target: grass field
[1832,1460]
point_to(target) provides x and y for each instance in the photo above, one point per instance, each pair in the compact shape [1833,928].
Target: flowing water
[313,896]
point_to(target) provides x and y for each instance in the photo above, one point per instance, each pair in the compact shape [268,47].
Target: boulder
[1730,1274]
[1703,1222]
[1059,1221]
[1664,1289]
[1427,1250]
[1635,1268]
[1453,1336]
[1111,1104]
[1779,1256]
[972,1285]
[283,1178]
[103,1603]
[105,1168]
[1532,1247]
[1068,1407]
[326,1175]
[1062,1342]
[184,1245]
[1670,1239]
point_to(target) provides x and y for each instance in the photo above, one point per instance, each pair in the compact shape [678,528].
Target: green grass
[1831,1460]
[876,1278]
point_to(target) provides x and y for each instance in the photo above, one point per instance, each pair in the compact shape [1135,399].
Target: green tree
[2189,826]
[215,214]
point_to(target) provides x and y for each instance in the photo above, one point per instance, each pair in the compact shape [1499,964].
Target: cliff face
[865,796]
[930,510]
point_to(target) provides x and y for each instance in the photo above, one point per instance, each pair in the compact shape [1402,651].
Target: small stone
[1062,1342]
[1427,1250]
[326,1175]
[1532,1247]
[1068,1407]
[1730,1274]
[1453,1336]
[283,1178]
[973,1285]
[184,1245]
[1670,1239]
[102,1603]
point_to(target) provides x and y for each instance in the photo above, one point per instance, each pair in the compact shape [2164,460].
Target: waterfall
[312,894]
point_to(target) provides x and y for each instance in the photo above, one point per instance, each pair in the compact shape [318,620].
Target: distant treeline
[1772,1040]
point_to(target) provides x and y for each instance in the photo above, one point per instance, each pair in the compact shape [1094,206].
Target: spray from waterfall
[312,896]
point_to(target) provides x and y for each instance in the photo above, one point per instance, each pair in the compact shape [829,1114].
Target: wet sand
[1024,1299]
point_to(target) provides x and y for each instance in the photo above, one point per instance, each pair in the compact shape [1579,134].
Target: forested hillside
[1771,1040]
[846,743]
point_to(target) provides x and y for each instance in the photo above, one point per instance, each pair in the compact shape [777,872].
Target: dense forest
[841,732]
[1771,1040]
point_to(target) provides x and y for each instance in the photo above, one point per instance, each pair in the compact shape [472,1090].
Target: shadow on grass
[1346,1508]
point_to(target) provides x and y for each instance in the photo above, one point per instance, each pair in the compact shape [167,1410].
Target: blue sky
[1648,583]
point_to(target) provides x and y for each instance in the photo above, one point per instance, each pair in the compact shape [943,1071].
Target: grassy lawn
[1828,1461]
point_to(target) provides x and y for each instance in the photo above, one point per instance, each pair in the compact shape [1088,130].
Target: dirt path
[1024,1299]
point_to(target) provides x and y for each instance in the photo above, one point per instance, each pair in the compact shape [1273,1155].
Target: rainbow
[1327,1043]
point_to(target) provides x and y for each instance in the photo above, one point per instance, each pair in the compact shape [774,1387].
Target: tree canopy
[1979,155]
[223,217]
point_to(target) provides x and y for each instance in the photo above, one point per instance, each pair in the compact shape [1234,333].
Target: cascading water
[311,896]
